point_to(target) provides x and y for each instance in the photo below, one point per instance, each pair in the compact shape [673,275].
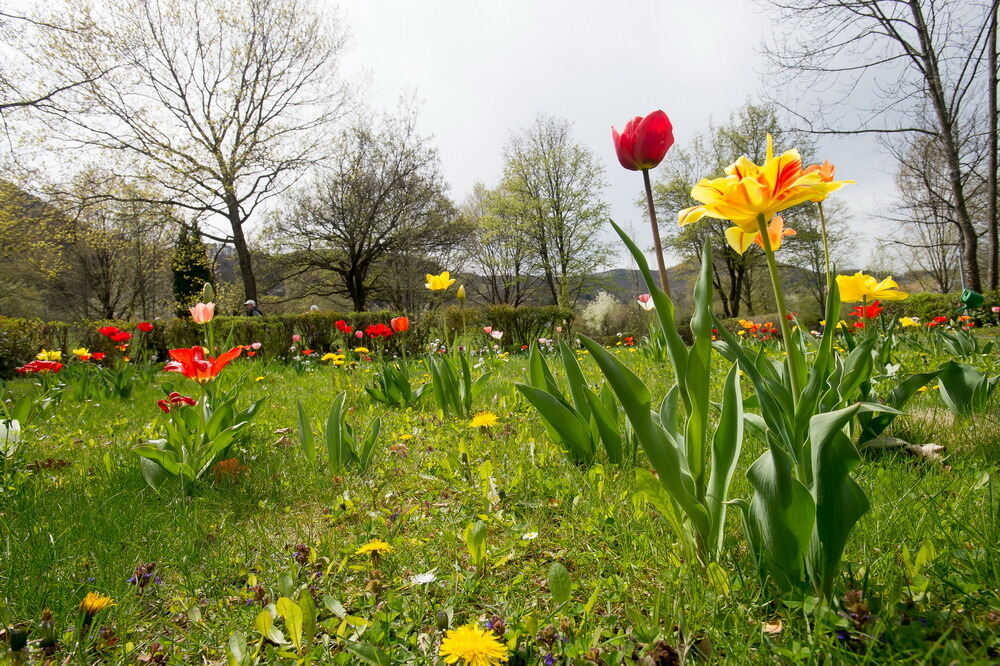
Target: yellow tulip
[439,282]
[749,190]
[908,321]
[45,355]
[860,287]
[81,352]
[741,240]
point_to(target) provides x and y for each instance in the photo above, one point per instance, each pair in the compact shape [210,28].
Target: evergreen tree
[191,267]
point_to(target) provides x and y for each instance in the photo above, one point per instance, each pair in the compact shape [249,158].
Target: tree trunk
[242,251]
[993,269]
[947,132]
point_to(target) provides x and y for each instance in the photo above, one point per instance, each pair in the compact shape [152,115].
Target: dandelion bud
[442,621]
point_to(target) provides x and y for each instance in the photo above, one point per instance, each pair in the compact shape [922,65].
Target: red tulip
[175,398]
[108,331]
[644,141]
[343,327]
[379,330]
[40,366]
[869,311]
[97,356]
[193,364]
[145,326]
[121,336]
[400,324]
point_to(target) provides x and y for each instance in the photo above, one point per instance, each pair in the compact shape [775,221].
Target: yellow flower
[259,379]
[908,321]
[81,353]
[54,355]
[361,350]
[483,420]
[460,292]
[375,548]
[338,359]
[473,646]
[860,287]
[741,241]
[94,602]
[439,282]
[748,190]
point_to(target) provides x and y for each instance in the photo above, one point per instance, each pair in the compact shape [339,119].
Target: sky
[483,70]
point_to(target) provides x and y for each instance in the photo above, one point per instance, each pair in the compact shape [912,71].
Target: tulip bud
[443,621]
[207,293]
[460,294]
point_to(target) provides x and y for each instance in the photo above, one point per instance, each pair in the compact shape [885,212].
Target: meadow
[473,520]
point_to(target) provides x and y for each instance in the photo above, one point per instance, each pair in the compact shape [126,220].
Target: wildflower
[375,548]
[54,355]
[471,645]
[202,313]
[860,287]
[39,367]
[93,603]
[749,190]
[423,578]
[439,282]
[193,364]
[483,420]
[259,379]
[143,576]
[529,536]
[645,302]
[145,326]
[643,142]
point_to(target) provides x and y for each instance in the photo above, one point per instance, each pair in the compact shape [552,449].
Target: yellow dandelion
[473,646]
[94,602]
[259,379]
[330,356]
[361,350]
[406,436]
[375,548]
[483,420]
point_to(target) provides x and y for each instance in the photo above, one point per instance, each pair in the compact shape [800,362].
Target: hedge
[21,339]
[926,305]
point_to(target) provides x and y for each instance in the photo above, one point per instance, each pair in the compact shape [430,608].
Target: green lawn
[78,516]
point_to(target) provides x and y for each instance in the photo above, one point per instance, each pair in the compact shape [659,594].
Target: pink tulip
[256,345]
[359,334]
[487,329]
[996,309]
[296,338]
[202,313]
[558,329]
[496,335]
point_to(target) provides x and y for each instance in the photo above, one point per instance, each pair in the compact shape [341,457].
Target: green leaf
[559,584]
[726,446]
[573,432]
[718,578]
[237,649]
[308,607]
[475,541]
[306,434]
[264,624]
[292,614]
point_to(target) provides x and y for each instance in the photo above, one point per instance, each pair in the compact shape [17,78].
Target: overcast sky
[484,69]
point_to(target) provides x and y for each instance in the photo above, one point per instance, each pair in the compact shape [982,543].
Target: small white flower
[529,536]
[423,578]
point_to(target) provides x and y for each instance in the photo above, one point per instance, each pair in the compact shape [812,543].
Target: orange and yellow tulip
[748,190]
[741,240]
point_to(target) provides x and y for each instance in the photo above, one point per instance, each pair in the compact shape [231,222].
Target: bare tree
[502,252]
[383,196]
[217,103]
[921,60]
[558,183]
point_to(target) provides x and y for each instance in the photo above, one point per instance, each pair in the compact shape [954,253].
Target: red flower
[940,320]
[108,331]
[791,315]
[869,311]
[307,352]
[97,356]
[378,331]
[858,324]
[400,324]
[193,364]
[343,327]
[121,336]
[644,141]
[145,326]
[40,366]
[175,398]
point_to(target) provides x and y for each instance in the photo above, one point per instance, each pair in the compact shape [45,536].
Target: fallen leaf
[773,626]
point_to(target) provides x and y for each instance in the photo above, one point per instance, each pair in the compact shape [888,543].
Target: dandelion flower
[473,646]
[361,350]
[483,420]
[375,548]
[94,602]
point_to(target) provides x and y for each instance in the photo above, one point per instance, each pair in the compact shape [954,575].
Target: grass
[924,558]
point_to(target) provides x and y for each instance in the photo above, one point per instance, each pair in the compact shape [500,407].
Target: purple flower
[549,659]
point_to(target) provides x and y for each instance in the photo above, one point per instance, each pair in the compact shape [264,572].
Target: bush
[926,306]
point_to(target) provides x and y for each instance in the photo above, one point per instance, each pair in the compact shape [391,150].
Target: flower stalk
[779,298]
[657,245]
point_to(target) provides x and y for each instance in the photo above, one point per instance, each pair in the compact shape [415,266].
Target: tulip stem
[779,298]
[657,246]
[826,242]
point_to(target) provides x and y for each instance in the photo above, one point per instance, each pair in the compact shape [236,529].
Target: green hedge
[927,306]
[20,339]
